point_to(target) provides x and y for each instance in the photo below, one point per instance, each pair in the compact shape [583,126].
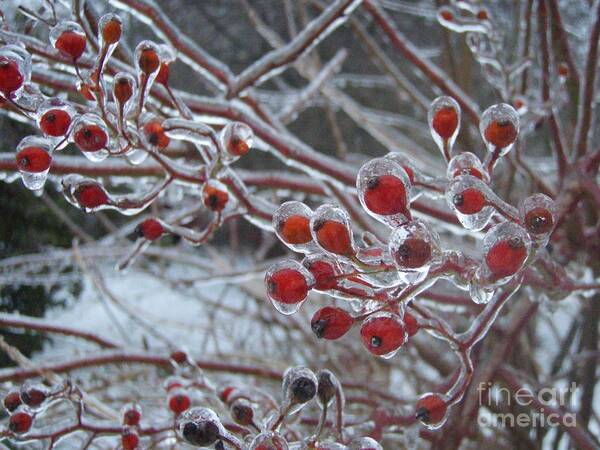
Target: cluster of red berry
[256,418]
[380,280]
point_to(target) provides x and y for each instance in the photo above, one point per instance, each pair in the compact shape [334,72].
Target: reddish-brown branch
[430,70]
[35,324]
[586,94]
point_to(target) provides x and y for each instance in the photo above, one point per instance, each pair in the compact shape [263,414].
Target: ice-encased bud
[444,123]
[330,229]
[467,196]
[506,247]
[90,135]
[15,70]
[34,157]
[467,163]
[325,269]
[384,191]
[383,334]
[291,222]
[328,386]
[124,92]
[200,427]
[538,216]
[413,247]
[54,118]
[85,193]
[299,387]
[69,39]
[499,127]
[288,283]
[237,139]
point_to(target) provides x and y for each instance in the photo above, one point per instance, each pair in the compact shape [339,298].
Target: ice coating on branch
[365,443]
[384,191]
[237,139]
[268,440]
[288,283]
[468,197]
[299,386]
[291,222]
[33,157]
[414,246]
[444,118]
[330,229]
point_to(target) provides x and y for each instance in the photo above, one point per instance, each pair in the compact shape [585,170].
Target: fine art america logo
[543,408]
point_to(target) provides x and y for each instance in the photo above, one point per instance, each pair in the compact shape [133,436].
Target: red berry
[411,324]
[130,440]
[225,393]
[385,195]
[33,159]
[413,253]
[33,395]
[482,14]
[179,357]
[506,257]
[91,196]
[163,74]
[295,230]
[331,323]
[501,133]
[155,134]
[324,274]
[287,286]
[469,201]
[445,121]
[12,401]
[90,138]
[215,199]
[11,78]
[55,122]
[539,221]
[242,413]
[179,401]
[410,173]
[431,409]
[150,229]
[111,32]
[382,335]
[132,416]
[70,43]
[20,421]
[123,89]
[563,70]
[334,237]
[237,146]
[149,61]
